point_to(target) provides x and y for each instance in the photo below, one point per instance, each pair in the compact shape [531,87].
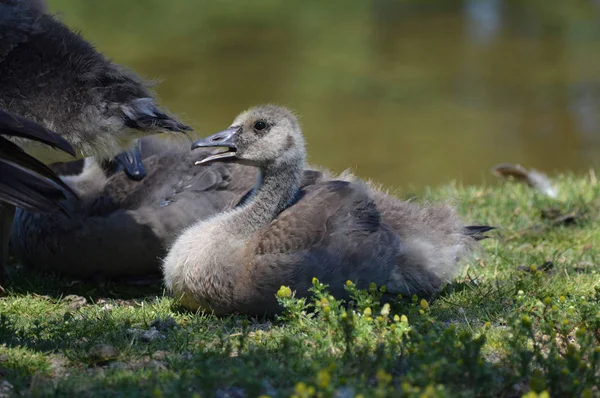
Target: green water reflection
[406,92]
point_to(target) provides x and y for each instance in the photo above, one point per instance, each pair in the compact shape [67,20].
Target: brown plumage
[286,233]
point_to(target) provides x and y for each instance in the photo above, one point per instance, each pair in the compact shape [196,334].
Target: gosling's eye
[260,125]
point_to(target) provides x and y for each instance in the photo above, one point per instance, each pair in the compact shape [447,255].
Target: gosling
[286,234]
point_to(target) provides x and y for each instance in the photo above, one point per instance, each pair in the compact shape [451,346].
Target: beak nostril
[217,139]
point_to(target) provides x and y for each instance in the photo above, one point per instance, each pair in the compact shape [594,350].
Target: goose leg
[7,213]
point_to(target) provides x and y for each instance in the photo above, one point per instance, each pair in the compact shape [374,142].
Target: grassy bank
[523,318]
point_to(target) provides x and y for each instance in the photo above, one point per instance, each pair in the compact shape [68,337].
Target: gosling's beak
[225,138]
[131,161]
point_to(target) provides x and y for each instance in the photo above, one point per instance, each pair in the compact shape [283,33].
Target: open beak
[131,161]
[225,139]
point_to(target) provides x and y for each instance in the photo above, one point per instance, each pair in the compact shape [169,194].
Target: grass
[522,320]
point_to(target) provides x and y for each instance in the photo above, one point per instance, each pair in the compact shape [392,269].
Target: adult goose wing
[25,181]
[18,126]
[23,188]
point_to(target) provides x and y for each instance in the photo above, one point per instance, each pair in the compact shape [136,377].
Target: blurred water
[407,92]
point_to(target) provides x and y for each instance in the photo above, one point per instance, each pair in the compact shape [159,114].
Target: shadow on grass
[25,281]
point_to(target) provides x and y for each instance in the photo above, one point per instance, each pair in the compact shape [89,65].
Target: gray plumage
[333,229]
[121,227]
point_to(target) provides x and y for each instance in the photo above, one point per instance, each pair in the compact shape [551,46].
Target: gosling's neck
[277,186]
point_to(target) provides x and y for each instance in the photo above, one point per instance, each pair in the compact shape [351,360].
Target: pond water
[411,93]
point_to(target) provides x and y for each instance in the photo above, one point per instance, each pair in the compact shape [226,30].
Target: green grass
[523,318]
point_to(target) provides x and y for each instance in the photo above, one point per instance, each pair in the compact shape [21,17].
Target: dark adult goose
[334,230]
[122,228]
[25,181]
[52,76]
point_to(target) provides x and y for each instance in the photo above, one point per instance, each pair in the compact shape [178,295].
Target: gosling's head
[263,136]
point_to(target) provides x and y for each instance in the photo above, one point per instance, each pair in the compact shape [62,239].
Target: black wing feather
[23,188]
[18,126]
[25,181]
[11,152]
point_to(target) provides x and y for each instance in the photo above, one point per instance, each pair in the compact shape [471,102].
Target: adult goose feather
[25,181]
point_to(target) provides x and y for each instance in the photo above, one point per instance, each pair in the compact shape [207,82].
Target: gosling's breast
[200,268]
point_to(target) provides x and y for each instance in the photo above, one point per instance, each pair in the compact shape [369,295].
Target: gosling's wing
[329,233]
[322,208]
